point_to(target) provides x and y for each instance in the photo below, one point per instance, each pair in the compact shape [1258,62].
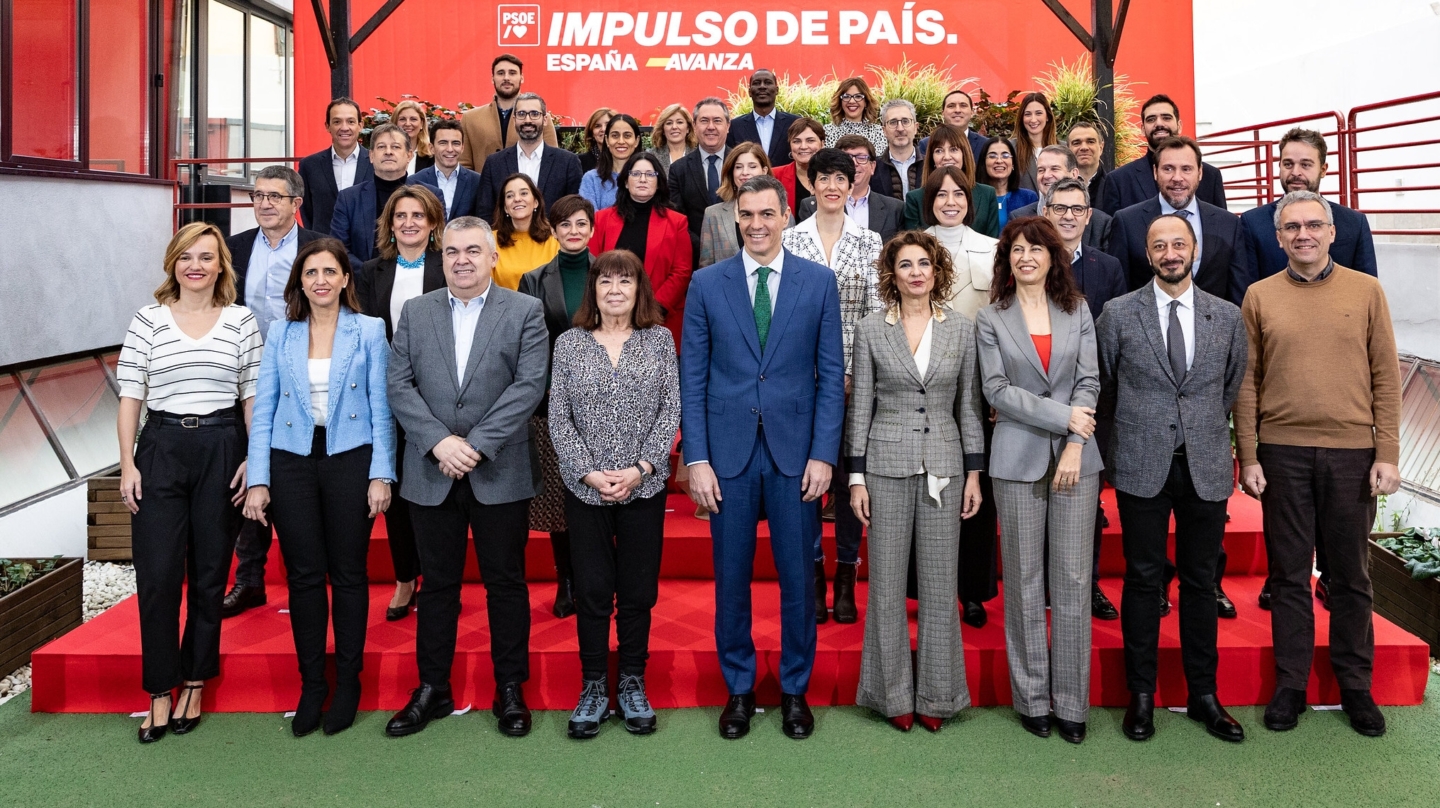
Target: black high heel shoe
[179,723]
[393,613]
[307,712]
[155,731]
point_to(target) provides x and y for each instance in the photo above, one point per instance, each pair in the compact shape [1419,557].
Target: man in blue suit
[358,206]
[1302,167]
[456,186]
[1134,182]
[766,125]
[555,171]
[957,109]
[327,173]
[763,371]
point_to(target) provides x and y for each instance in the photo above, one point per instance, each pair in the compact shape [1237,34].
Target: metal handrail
[1264,175]
[176,163]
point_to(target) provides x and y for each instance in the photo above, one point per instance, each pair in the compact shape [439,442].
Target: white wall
[1410,274]
[52,526]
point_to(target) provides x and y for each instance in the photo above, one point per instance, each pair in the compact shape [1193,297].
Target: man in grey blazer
[467,369]
[1172,358]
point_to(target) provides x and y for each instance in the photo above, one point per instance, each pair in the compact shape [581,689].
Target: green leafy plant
[15,574]
[1386,519]
[1419,548]
[434,113]
[1072,90]
[992,119]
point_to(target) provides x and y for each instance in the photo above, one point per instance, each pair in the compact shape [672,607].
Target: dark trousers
[183,534]
[252,547]
[500,533]
[733,536]
[1315,493]
[399,525]
[322,514]
[978,536]
[848,530]
[1145,528]
[616,553]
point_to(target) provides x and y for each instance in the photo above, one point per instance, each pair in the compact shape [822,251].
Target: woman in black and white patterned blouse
[614,411]
[193,358]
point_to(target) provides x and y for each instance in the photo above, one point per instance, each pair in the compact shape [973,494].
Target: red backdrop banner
[640,56]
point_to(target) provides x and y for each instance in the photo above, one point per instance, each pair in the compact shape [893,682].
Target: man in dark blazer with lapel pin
[1134,182]
[1053,164]
[766,125]
[467,368]
[762,407]
[695,178]
[457,187]
[883,214]
[327,173]
[556,173]
[359,206]
[1224,268]
[1172,360]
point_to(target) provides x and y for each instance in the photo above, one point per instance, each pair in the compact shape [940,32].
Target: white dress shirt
[530,165]
[765,127]
[1186,313]
[859,209]
[1194,210]
[447,186]
[463,318]
[409,283]
[266,276]
[344,167]
[752,276]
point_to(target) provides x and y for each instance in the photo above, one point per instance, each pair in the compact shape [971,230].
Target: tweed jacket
[1140,395]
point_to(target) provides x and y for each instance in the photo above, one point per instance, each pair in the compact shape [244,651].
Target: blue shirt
[601,194]
[463,319]
[447,187]
[267,274]
[765,127]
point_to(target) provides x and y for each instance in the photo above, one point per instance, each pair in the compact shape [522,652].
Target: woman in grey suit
[914,426]
[1038,364]
[719,234]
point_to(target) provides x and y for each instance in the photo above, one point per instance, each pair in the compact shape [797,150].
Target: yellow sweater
[522,256]
[1323,368]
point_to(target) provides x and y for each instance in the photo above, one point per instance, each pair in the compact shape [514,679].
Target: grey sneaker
[639,717]
[591,711]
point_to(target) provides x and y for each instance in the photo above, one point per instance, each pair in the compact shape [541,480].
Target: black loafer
[1208,711]
[1283,711]
[735,718]
[1322,593]
[510,710]
[1365,716]
[1139,721]
[1037,725]
[975,615]
[1100,606]
[241,598]
[1265,596]
[1223,606]
[1070,731]
[796,720]
[427,703]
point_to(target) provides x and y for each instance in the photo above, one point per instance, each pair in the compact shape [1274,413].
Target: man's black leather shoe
[1265,596]
[1322,593]
[1223,606]
[1038,725]
[975,615]
[1283,711]
[1100,606]
[1070,731]
[427,703]
[240,598]
[510,709]
[735,718]
[1139,721]
[1208,711]
[795,717]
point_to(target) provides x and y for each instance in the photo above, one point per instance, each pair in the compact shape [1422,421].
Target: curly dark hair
[939,259]
[1059,281]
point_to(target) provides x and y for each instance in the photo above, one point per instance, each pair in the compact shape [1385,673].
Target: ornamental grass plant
[1071,89]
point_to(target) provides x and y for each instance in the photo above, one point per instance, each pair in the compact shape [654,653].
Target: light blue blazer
[359,411]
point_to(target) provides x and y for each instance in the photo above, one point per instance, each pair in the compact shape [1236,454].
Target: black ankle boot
[344,706]
[564,575]
[307,712]
[845,611]
[821,613]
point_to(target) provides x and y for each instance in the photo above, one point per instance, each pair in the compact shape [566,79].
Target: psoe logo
[518,24]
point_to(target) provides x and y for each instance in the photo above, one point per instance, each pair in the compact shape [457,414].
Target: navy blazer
[1353,247]
[1099,277]
[1225,270]
[375,283]
[1134,183]
[321,192]
[744,130]
[559,176]
[797,384]
[354,222]
[690,195]
[242,246]
[467,191]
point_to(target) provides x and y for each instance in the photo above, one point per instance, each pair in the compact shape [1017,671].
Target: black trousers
[978,537]
[1199,530]
[500,533]
[848,530]
[252,547]
[182,538]
[1315,493]
[616,553]
[399,524]
[321,511]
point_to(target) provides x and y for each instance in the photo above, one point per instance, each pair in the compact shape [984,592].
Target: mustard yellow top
[522,256]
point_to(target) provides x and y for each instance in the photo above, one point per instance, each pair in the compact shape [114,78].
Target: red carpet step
[96,668]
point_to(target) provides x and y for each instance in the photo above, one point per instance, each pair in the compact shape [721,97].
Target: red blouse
[1042,347]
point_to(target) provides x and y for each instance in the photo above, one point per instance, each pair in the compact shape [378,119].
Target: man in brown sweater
[1317,430]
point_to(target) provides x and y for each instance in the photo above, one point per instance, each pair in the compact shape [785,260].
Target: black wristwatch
[644,475]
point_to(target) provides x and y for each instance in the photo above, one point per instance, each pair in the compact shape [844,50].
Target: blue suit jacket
[1099,277]
[359,411]
[727,384]
[354,222]
[467,191]
[1353,246]
[1134,183]
[560,175]
[1225,270]
[320,188]
[744,130]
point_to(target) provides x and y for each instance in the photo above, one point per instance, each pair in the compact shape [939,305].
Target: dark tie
[762,305]
[712,178]
[1176,344]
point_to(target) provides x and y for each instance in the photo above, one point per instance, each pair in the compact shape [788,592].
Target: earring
[392,239]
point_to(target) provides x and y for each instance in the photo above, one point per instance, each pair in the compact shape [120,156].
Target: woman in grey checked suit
[913,429]
[719,234]
[1038,365]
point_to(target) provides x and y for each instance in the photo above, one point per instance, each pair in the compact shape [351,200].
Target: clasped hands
[456,457]
[615,485]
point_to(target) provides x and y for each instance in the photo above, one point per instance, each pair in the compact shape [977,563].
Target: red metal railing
[1254,175]
[1368,132]
[196,179]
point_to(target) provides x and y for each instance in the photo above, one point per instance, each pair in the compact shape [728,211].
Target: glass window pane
[269,49]
[120,86]
[181,89]
[81,407]
[27,463]
[44,60]
[225,88]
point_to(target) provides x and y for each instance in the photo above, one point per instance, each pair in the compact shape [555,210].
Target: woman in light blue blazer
[322,461]
[1039,370]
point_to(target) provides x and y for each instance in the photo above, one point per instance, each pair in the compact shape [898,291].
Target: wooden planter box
[40,611]
[1410,604]
[107,521]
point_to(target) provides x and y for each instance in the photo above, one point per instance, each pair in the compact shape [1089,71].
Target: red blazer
[786,175]
[668,258]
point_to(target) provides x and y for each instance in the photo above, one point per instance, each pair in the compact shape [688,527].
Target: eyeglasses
[644,175]
[529,114]
[1003,155]
[1293,228]
[1074,210]
[852,96]
[257,197]
[900,122]
[860,159]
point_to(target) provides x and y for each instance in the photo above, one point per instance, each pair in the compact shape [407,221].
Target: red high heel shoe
[930,722]
[902,722]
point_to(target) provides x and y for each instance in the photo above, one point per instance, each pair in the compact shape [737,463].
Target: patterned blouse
[856,254]
[871,131]
[604,417]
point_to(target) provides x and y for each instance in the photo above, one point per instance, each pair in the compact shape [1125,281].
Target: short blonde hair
[422,139]
[657,134]
[728,190]
[169,290]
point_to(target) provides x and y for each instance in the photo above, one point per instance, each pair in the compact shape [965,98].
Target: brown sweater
[1323,368]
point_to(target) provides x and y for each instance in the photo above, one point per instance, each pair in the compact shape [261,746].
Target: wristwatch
[385,480]
[644,475]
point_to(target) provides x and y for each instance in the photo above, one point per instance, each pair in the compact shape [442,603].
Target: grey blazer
[1032,407]
[934,421]
[1141,396]
[490,407]
[718,240]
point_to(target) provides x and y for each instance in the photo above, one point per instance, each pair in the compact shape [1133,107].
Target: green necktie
[762,306]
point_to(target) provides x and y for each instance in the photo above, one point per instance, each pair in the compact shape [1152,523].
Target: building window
[44,79]
[120,101]
[28,462]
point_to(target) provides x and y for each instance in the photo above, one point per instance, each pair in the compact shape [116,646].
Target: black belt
[192,421]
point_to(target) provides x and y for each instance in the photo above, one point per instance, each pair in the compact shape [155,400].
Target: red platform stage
[96,668]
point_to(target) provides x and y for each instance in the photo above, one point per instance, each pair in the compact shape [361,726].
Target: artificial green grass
[854,759]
